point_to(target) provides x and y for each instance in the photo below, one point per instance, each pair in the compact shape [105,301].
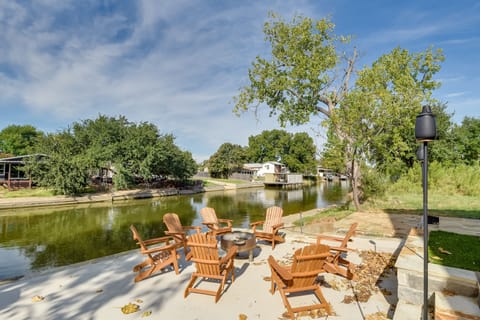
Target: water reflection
[39,238]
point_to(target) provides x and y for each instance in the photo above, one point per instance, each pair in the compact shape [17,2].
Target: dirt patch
[379,223]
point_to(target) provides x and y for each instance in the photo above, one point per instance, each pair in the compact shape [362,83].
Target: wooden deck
[283,179]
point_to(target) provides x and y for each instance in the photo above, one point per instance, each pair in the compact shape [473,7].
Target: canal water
[36,239]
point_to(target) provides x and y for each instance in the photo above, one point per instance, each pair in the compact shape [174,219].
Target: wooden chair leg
[193,278]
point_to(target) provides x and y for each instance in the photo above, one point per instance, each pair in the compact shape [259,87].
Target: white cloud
[455,94]
[176,64]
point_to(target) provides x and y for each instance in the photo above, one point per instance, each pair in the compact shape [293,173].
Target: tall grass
[458,180]
[452,191]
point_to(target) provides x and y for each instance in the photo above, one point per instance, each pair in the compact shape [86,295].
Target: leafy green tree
[306,76]
[167,159]
[445,149]
[131,150]
[270,145]
[468,140]
[63,169]
[296,151]
[18,139]
[228,158]
[380,111]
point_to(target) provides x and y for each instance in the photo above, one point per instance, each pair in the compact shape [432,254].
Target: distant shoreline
[27,202]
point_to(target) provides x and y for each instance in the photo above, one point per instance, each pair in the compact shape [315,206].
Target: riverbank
[25,202]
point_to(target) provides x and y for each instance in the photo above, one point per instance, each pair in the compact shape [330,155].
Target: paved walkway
[98,289]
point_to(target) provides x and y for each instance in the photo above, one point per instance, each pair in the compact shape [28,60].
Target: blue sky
[178,63]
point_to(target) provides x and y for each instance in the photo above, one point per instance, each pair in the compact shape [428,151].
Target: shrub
[373,184]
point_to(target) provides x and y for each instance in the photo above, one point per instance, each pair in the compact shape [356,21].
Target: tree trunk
[352,166]
[356,184]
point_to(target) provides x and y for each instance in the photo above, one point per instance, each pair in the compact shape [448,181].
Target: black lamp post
[425,131]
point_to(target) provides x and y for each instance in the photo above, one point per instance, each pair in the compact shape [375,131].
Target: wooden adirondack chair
[301,277]
[338,264]
[271,226]
[160,253]
[209,266]
[177,231]
[217,226]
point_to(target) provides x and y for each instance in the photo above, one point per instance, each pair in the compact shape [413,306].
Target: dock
[283,179]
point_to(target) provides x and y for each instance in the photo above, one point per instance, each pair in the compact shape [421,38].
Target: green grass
[463,249]
[337,213]
[215,181]
[457,205]
[35,192]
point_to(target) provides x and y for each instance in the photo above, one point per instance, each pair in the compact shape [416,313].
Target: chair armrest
[209,224]
[282,271]
[172,233]
[227,221]
[277,226]
[168,247]
[328,238]
[254,225]
[198,228]
[232,251]
[157,240]
[342,249]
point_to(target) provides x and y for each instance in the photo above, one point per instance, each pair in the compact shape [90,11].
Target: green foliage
[123,178]
[296,151]
[468,140]
[18,140]
[292,82]
[449,180]
[132,151]
[228,158]
[333,154]
[372,121]
[385,102]
[373,183]
[63,169]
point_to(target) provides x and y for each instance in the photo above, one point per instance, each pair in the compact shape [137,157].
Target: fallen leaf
[377,316]
[139,301]
[38,298]
[443,251]
[99,291]
[130,308]
[242,316]
[436,258]
[146,314]
[373,265]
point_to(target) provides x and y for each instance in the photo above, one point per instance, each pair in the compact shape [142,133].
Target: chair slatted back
[204,253]
[209,216]
[138,238]
[307,264]
[273,217]
[172,221]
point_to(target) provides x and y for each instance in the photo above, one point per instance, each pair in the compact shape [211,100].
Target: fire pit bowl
[244,241]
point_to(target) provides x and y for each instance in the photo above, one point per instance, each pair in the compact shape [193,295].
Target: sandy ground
[100,288]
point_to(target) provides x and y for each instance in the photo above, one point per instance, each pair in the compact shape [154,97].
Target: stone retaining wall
[441,279]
